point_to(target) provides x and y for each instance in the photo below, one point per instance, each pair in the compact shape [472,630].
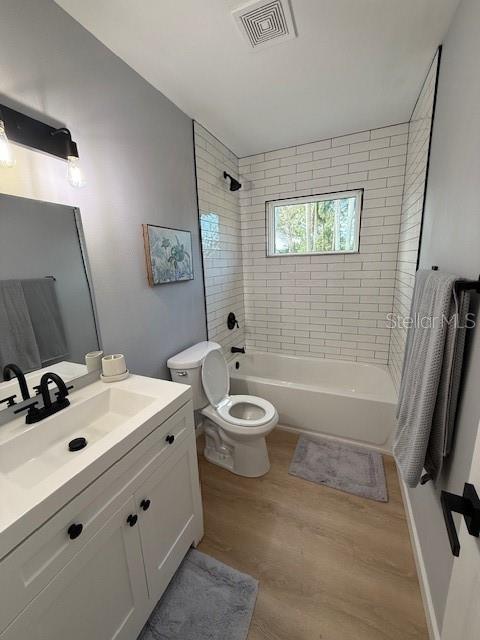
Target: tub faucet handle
[232,321]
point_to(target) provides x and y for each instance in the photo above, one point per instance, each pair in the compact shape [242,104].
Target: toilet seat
[216,384]
[215,377]
[230,402]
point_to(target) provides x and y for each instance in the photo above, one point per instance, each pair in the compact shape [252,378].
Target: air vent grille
[261,22]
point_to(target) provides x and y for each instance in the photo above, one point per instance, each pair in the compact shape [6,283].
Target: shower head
[235,185]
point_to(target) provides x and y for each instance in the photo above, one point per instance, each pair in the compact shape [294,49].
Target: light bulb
[6,154]
[74,172]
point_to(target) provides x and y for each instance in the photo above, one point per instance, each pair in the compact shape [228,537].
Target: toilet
[235,425]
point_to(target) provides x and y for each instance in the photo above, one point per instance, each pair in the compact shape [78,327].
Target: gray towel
[17,339]
[441,435]
[430,376]
[42,303]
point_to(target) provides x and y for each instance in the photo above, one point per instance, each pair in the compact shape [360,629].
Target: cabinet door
[100,594]
[173,518]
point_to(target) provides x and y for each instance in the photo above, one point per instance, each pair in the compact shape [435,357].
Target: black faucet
[237,349]
[61,394]
[49,408]
[8,369]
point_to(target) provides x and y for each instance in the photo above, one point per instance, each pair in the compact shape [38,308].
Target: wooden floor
[330,566]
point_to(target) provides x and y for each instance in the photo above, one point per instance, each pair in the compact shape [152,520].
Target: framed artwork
[168,254]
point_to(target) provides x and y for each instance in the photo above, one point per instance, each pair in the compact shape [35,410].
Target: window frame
[318,197]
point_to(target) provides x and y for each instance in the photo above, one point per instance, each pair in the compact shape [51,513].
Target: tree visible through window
[316,224]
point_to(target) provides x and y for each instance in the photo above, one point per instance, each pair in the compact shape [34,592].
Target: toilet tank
[186,368]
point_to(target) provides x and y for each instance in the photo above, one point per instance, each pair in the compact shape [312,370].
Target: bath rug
[206,600]
[341,466]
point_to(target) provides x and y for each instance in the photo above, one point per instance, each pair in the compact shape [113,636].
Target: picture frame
[168,254]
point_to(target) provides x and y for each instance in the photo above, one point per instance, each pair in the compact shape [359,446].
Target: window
[328,223]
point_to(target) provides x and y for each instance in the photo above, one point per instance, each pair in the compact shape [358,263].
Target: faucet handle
[38,387]
[28,407]
[32,412]
[10,400]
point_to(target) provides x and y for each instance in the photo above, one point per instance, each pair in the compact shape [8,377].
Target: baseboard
[433,630]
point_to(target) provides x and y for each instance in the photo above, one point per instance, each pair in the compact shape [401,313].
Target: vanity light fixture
[35,134]
[74,172]
[6,154]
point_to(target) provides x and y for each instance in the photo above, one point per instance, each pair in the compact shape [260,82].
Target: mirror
[47,311]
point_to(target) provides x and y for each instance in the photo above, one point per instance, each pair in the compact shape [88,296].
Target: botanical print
[169,254]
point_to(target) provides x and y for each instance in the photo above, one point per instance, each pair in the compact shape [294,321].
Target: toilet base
[247,458]
[220,459]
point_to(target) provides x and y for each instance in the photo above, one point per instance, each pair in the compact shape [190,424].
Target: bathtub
[351,401]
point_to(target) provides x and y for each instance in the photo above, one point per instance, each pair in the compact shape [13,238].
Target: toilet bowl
[235,425]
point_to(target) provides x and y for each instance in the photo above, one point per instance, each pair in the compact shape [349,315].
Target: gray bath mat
[341,466]
[206,600]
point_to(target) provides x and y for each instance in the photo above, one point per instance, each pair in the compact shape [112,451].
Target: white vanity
[90,539]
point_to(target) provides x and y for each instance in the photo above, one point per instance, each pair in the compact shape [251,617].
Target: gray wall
[39,239]
[136,148]
[451,240]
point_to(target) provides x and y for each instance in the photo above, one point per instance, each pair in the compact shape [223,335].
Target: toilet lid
[215,377]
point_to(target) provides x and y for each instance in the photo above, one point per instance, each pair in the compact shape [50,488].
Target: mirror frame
[9,413]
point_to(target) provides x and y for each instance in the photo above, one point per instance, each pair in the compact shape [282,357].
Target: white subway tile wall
[411,217]
[219,212]
[332,306]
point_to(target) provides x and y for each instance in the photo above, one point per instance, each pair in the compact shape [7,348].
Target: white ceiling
[356,64]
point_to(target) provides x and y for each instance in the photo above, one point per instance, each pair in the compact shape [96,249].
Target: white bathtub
[347,400]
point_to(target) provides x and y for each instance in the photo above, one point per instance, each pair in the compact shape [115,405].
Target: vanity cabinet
[166,507]
[102,579]
[100,594]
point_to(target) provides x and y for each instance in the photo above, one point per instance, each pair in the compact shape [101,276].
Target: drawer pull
[145,504]
[74,530]
[132,520]
[170,439]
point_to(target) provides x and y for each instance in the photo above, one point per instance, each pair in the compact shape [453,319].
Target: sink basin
[42,449]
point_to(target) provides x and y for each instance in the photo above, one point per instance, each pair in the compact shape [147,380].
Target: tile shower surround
[420,127]
[331,306]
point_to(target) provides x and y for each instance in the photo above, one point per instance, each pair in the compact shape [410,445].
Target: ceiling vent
[265,22]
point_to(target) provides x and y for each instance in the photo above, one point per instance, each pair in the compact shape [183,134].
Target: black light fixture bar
[32,133]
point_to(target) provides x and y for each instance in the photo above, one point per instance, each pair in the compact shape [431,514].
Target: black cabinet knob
[132,519]
[145,504]
[74,530]
[170,439]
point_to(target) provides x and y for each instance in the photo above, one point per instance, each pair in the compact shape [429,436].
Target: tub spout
[238,349]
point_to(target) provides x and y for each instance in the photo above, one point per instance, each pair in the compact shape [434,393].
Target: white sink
[38,473]
[41,449]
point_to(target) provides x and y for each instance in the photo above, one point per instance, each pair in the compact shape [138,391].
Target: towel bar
[464,285]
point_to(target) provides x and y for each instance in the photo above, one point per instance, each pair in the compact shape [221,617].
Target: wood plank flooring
[331,566]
